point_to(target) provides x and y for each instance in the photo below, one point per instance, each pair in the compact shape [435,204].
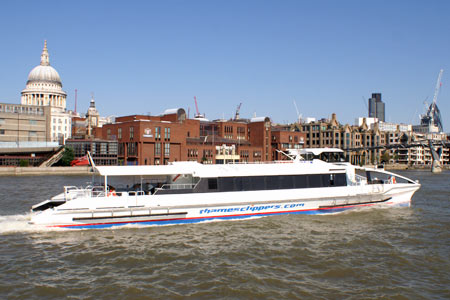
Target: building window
[192,152]
[167,133]
[119,133]
[157,132]
[132,149]
[2,131]
[120,149]
[167,149]
[131,133]
[2,121]
[157,149]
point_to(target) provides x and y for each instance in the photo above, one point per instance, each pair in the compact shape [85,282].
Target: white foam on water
[19,223]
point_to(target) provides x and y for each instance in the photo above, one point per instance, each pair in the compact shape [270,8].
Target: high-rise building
[376,107]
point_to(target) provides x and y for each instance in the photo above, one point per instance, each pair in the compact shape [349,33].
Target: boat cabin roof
[225,170]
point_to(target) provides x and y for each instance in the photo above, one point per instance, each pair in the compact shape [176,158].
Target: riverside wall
[412,167]
[21,171]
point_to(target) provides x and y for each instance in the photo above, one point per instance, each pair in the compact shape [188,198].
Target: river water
[395,253]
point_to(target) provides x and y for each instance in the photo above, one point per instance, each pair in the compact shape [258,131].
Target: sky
[143,57]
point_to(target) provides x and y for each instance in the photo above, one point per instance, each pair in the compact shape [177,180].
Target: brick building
[286,137]
[154,140]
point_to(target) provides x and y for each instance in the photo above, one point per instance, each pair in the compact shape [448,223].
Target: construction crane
[236,116]
[438,86]
[299,116]
[198,115]
[365,103]
[433,114]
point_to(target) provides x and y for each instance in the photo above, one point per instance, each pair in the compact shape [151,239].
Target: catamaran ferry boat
[190,192]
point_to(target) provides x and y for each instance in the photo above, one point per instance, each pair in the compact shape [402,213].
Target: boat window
[340,179]
[226,184]
[272,182]
[315,181]
[212,183]
[238,184]
[258,183]
[286,182]
[326,179]
[300,181]
[246,184]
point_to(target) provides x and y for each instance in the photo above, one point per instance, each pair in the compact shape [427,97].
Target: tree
[24,163]
[385,157]
[67,157]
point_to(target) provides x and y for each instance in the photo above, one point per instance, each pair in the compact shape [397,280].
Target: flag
[82,161]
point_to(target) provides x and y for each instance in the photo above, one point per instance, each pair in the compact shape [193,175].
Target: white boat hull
[193,208]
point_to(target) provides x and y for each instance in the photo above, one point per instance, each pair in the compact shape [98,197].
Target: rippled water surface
[399,253]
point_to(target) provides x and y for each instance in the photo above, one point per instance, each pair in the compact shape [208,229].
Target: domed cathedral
[44,88]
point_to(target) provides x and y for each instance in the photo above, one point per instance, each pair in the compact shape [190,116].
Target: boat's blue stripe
[202,219]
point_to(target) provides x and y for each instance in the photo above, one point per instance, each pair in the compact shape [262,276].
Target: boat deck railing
[73,192]
[360,180]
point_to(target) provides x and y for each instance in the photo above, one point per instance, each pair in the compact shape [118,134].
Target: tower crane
[236,116]
[433,115]
[438,86]
[299,116]
[198,115]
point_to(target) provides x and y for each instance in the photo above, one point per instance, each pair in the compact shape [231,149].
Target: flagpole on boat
[92,163]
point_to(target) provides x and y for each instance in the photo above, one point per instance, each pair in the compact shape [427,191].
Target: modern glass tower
[376,107]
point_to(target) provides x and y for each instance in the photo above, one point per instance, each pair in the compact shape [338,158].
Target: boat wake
[17,223]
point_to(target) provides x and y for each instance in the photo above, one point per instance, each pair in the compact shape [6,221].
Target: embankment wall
[20,171]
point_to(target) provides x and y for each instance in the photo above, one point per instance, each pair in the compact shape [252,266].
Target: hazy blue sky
[142,57]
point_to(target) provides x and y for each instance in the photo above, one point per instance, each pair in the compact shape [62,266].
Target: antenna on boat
[292,157]
[91,160]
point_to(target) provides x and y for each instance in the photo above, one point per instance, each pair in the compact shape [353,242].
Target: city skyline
[147,57]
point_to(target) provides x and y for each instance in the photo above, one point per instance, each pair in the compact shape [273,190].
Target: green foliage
[67,157]
[24,163]
[385,157]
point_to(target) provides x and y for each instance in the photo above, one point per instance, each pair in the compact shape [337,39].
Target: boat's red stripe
[221,216]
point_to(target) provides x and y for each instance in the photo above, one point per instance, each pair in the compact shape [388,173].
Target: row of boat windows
[258,183]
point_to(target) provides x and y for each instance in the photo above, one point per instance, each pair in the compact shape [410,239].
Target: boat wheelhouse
[190,192]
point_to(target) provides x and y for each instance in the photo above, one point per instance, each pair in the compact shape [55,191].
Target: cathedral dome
[44,72]
[44,87]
